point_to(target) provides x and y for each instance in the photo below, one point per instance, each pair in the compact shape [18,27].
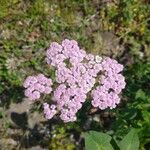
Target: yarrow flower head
[69,100]
[78,74]
[36,85]
[49,111]
[111,84]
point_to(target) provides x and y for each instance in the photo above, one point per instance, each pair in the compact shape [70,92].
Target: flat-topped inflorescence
[78,75]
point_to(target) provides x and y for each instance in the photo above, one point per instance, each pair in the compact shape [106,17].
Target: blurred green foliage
[102,141]
[60,140]
[28,26]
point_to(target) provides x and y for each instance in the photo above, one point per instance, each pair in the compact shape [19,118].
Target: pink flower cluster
[69,100]
[73,66]
[36,85]
[111,84]
[79,74]
[49,111]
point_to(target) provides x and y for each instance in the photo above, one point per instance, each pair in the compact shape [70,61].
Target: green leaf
[140,94]
[97,141]
[130,141]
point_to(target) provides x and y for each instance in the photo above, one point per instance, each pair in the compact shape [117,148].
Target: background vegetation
[116,28]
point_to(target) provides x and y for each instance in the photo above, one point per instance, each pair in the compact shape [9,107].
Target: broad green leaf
[97,141]
[130,141]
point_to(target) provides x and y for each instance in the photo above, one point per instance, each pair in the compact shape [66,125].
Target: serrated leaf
[97,141]
[130,141]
